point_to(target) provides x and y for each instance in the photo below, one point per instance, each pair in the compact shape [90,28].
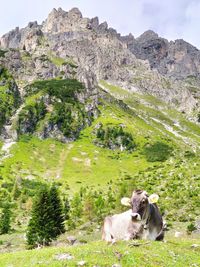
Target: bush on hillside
[114,138]
[66,113]
[2,53]
[64,89]
[76,212]
[190,228]
[158,151]
[70,118]
[9,96]
[5,219]
[30,116]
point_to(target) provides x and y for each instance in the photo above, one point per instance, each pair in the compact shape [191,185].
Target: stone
[81,263]
[64,256]
[177,234]
[71,240]
[195,246]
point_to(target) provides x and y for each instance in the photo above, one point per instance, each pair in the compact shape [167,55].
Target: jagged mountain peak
[61,21]
[182,44]
[72,13]
[75,12]
[148,35]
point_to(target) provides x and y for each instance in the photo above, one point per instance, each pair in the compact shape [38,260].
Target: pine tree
[110,199]
[66,208]
[88,206]
[5,219]
[41,224]
[100,207]
[16,191]
[76,211]
[57,215]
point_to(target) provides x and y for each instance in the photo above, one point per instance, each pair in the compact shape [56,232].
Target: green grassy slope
[159,115]
[82,163]
[172,253]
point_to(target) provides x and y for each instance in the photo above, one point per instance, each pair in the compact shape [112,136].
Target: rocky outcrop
[25,39]
[60,109]
[60,21]
[177,59]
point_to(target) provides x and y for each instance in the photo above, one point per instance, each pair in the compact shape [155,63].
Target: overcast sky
[172,19]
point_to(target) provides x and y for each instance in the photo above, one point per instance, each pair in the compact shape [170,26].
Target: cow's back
[119,227]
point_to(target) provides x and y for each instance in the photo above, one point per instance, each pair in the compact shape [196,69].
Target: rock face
[26,38]
[60,21]
[67,45]
[177,59]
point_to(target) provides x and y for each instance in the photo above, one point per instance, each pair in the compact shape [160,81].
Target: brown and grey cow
[142,221]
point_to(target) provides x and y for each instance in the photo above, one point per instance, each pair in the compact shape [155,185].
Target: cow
[142,221]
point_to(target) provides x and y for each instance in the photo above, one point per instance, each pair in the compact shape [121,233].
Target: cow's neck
[146,217]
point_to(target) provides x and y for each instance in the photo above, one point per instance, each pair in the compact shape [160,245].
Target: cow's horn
[126,201]
[153,198]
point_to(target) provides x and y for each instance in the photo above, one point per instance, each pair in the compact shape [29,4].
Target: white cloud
[172,19]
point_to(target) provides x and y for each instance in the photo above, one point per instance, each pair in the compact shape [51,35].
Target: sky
[171,19]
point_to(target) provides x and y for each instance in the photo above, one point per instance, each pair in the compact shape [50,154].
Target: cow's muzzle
[136,216]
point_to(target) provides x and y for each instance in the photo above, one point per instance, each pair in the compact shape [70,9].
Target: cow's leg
[108,237]
[160,237]
[113,241]
[106,234]
[130,236]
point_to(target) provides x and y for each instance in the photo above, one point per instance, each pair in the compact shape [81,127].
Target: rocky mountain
[177,59]
[68,46]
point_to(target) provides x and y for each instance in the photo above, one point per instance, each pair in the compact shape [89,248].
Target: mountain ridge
[60,21]
[67,45]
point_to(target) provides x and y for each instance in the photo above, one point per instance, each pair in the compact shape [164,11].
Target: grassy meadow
[82,163]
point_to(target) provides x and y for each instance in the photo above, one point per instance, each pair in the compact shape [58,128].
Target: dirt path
[63,156]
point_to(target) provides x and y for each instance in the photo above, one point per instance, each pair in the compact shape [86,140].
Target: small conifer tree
[16,191]
[66,208]
[57,215]
[76,211]
[88,206]
[40,225]
[5,219]
[100,207]
[47,219]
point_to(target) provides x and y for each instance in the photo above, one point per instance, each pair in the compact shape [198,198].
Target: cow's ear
[153,198]
[126,201]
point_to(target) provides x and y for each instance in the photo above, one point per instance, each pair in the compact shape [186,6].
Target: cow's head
[139,202]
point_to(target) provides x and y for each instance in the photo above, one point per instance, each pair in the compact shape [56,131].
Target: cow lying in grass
[142,221]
